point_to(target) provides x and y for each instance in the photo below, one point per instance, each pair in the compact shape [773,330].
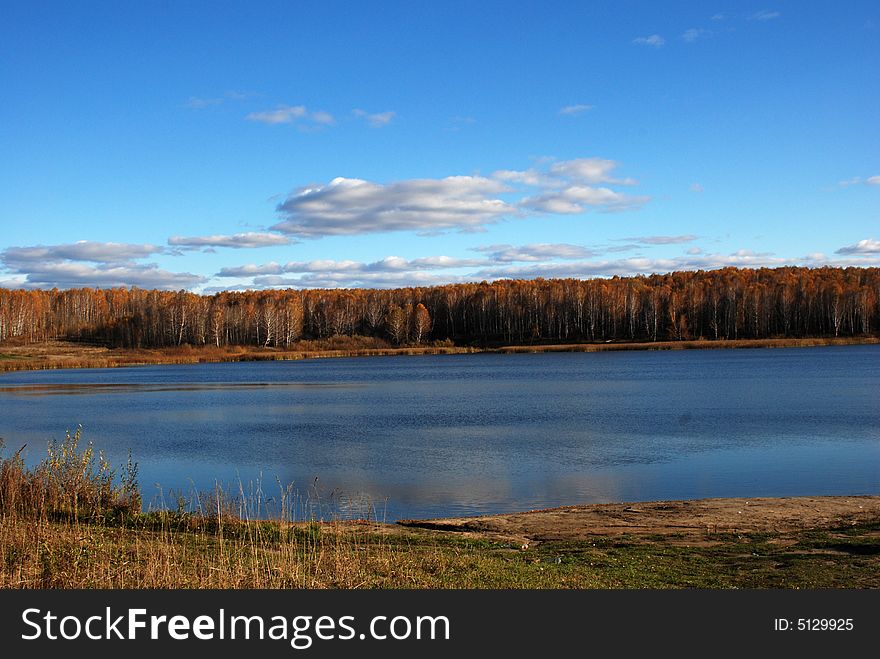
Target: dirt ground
[687,521]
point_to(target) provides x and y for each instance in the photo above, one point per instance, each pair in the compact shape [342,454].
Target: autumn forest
[729,303]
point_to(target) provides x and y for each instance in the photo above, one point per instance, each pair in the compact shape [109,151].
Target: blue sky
[225,145]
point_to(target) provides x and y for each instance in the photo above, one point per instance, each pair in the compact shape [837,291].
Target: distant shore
[65,354]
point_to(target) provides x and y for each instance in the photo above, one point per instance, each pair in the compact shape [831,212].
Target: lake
[473,434]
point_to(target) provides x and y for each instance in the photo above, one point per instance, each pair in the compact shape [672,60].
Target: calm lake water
[472,434]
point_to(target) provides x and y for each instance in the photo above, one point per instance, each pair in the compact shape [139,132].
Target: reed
[74,522]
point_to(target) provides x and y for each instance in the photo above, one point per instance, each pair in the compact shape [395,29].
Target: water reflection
[86,388]
[467,434]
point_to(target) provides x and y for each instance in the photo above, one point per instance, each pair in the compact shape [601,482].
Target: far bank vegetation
[729,304]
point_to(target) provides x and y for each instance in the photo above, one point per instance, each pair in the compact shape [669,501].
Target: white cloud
[376,120]
[70,274]
[764,15]
[288,114]
[589,170]
[353,206]
[511,261]
[578,198]
[615,249]
[565,174]
[357,280]
[252,270]
[347,206]
[866,246]
[856,180]
[283,114]
[431,262]
[569,190]
[15,282]
[629,266]
[696,187]
[84,250]
[576,109]
[536,252]
[236,241]
[202,102]
[321,117]
[654,40]
[197,103]
[718,17]
[91,264]
[324,266]
[527,177]
[695,33]
[662,240]
[497,259]
[868,261]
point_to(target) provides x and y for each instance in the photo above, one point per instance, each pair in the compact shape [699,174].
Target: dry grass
[62,354]
[72,522]
[71,481]
[247,555]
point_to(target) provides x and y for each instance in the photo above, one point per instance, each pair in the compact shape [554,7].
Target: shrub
[70,481]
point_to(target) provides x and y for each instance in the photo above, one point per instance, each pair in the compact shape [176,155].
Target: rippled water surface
[469,434]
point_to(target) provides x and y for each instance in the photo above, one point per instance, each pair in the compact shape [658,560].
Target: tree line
[730,303]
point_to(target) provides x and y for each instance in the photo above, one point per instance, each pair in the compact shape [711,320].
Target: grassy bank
[62,354]
[74,522]
[160,552]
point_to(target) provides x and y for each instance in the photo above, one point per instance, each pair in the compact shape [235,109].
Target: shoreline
[64,354]
[797,542]
[682,520]
[72,523]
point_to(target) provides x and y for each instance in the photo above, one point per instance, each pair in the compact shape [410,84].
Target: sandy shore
[688,521]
